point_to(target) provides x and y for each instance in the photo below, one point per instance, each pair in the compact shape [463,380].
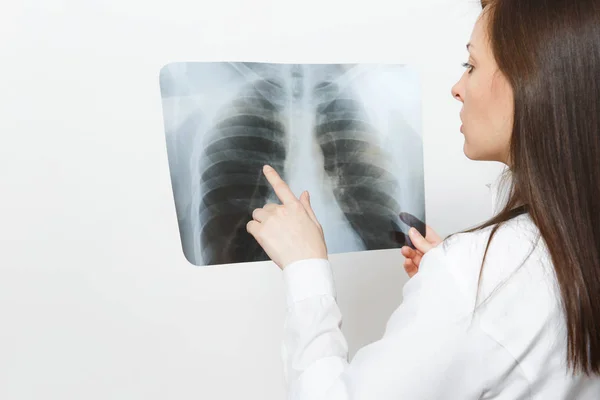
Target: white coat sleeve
[420,355]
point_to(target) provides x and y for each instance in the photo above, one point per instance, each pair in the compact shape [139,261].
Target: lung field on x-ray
[363,187]
[248,133]
[335,130]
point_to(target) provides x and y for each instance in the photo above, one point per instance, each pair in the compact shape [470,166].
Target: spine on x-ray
[249,133]
[356,164]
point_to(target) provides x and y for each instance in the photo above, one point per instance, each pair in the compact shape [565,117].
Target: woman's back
[520,338]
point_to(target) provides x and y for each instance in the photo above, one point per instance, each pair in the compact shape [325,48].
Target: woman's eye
[468,66]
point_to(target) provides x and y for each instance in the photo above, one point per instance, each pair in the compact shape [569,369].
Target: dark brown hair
[549,50]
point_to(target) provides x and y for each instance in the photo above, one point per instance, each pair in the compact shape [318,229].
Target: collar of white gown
[500,189]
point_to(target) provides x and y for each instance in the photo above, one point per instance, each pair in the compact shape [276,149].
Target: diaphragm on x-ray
[350,134]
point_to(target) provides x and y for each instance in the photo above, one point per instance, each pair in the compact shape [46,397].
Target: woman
[510,309]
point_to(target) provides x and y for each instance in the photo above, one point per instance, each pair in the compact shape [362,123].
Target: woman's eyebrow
[469,47]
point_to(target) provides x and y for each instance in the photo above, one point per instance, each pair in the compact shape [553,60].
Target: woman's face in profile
[487,112]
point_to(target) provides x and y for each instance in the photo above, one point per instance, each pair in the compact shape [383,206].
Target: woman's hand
[422,244]
[288,232]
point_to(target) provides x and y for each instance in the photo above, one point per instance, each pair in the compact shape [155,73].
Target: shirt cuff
[308,278]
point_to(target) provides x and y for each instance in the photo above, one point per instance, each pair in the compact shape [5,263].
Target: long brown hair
[549,50]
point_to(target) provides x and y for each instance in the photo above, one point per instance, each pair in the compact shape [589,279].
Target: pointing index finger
[282,190]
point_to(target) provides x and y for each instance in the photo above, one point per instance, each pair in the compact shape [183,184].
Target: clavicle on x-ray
[349,134]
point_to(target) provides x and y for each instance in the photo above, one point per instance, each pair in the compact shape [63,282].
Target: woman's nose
[456,94]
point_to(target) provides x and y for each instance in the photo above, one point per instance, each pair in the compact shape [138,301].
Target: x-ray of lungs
[349,134]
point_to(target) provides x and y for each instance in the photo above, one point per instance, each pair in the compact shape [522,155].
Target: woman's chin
[471,154]
[467,151]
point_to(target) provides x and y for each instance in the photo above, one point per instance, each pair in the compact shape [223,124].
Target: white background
[96,298]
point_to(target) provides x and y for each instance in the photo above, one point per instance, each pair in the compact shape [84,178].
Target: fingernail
[413,232]
[267,168]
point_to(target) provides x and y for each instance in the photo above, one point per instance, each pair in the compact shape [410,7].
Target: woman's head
[533,101]
[487,98]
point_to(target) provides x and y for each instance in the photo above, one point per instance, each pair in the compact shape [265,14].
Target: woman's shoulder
[516,246]
[511,240]
[518,233]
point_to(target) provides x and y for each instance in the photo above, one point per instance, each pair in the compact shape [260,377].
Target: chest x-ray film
[350,134]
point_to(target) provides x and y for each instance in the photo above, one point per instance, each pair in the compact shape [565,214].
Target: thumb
[305,200]
[419,241]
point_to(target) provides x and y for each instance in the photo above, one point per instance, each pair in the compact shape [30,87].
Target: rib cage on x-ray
[267,114]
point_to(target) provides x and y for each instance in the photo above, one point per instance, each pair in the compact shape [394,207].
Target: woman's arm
[314,349]
[425,353]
